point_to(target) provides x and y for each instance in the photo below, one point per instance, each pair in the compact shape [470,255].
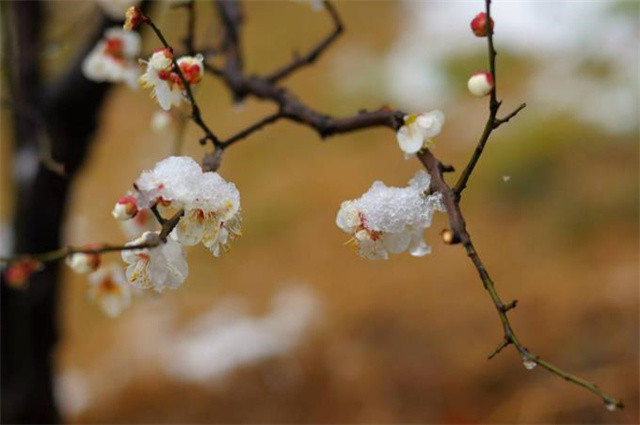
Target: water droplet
[528,363]
[611,407]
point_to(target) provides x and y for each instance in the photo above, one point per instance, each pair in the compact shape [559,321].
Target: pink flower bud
[18,273]
[83,262]
[480,84]
[125,208]
[133,18]
[479,25]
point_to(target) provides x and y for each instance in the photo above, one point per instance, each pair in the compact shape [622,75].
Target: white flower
[160,267]
[390,220]
[166,84]
[418,130]
[480,84]
[113,59]
[83,263]
[143,221]
[109,288]
[116,9]
[160,121]
[211,204]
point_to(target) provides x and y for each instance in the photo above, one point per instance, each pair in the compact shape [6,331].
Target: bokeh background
[291,326]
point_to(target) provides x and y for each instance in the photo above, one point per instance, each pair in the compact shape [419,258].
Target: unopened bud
[18,273]
[83,262]
[125,208]
[133,18]
[449,236]
[479,25]
[480,84]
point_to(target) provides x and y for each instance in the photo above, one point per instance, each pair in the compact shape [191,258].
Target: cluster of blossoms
[211,215]
[113,59]
[391,220]
[165,83]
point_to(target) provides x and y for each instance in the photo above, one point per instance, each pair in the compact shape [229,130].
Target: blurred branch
[167,226]
[314,53]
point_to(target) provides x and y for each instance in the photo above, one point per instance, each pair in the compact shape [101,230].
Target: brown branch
[167,226]
[458,226]
[314,53]
[251,129]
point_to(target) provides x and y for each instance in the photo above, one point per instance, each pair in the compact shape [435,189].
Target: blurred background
[290,326]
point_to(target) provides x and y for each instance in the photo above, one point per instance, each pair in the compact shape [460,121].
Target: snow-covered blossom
[418,129]
[166,84]
[143,221]
[211,204]
[126,208]
[160,121]
[390,219]
[109,288]
[479,25]
[113,59]
[82,263]
[480,84]
[159,267]
[116,9]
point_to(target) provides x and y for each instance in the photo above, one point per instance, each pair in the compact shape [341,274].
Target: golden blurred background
[552,207]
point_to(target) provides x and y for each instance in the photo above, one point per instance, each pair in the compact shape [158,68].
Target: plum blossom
[82,263]
[165,83]
[142,222]
[113,59]
[211,204]
[158,267]
[418,129]
[109,288]
[390,220]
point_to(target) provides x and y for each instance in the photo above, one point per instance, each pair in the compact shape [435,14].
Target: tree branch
[315,52]
[494,104]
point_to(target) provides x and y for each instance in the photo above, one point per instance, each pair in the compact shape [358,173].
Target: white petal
[408,140]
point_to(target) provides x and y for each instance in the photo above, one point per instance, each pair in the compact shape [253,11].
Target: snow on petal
[390,220]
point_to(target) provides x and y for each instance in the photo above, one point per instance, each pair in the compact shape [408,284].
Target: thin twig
[251,129]
[195,109]
[167,226]
[314,53]
[494,104]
